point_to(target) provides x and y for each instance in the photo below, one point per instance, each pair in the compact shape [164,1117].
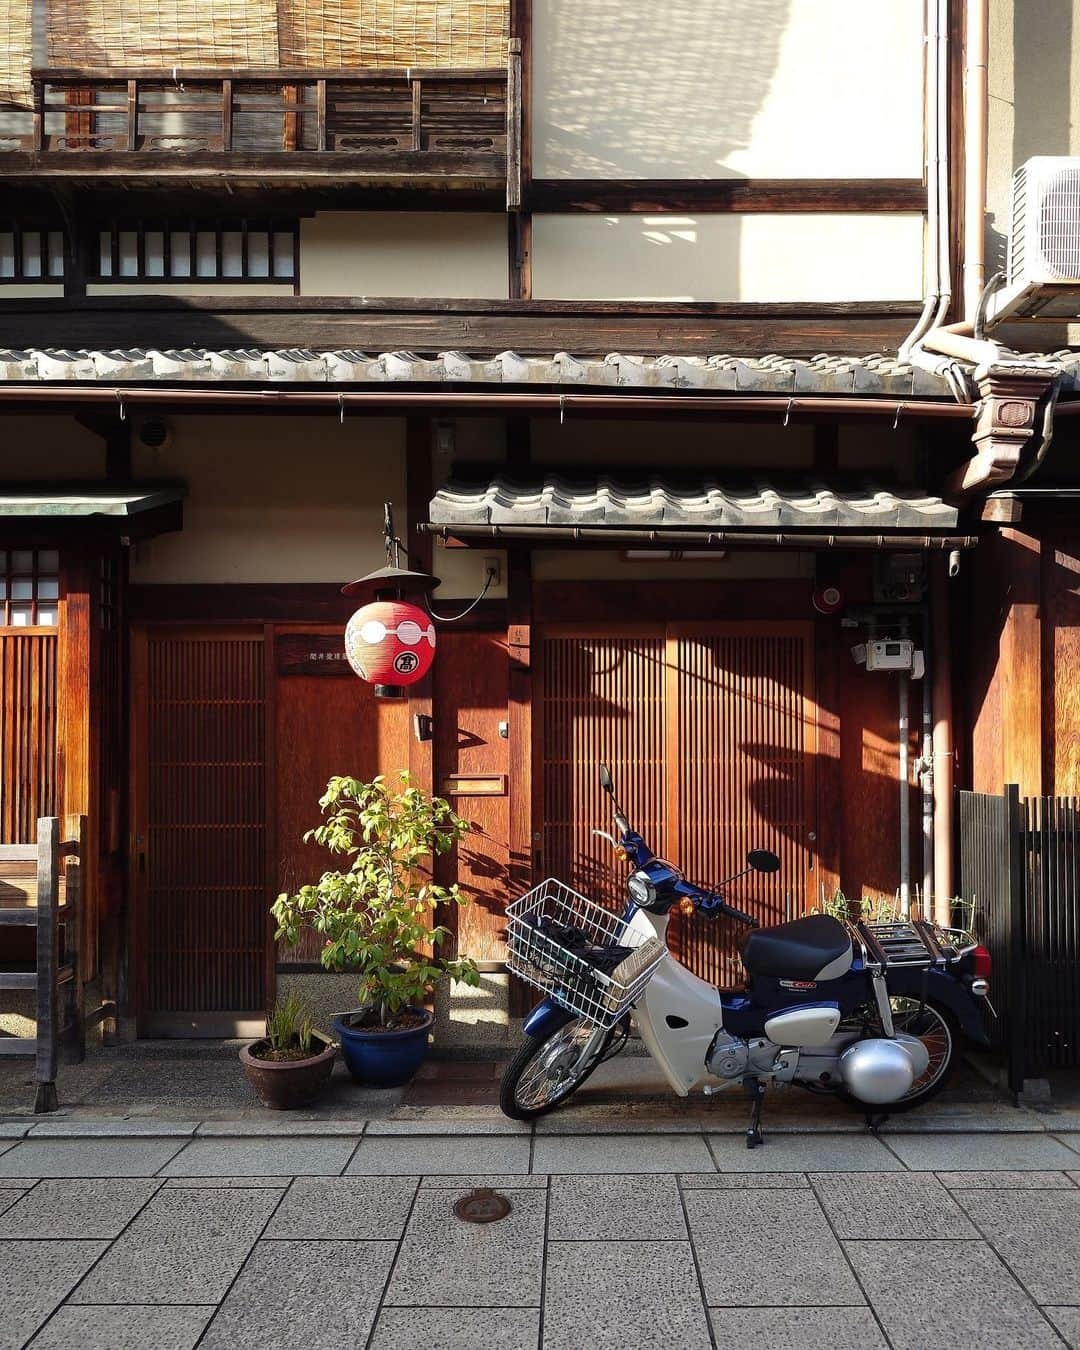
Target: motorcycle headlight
[642,891]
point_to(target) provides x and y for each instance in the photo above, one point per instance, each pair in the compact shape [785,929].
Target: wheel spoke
[555,1069]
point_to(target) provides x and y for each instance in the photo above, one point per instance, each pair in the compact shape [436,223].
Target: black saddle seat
[799,950]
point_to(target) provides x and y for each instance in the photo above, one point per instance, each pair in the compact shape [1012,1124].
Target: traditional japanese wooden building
[633,312]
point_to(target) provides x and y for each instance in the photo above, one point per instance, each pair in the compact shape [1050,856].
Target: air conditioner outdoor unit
[1043,274]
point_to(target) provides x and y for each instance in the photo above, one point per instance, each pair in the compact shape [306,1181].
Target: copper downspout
[942,740]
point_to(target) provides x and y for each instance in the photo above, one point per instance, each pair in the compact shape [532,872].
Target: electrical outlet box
[890,654]
[493,569]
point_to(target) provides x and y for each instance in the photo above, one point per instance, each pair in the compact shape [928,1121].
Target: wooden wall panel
[471,699]
[203,924]
[1061,661]
[323,725]
[28,787]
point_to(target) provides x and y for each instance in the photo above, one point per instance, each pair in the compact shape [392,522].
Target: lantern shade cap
[396,580]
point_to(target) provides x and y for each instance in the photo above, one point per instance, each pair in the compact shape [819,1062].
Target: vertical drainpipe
[926,763]
[976,51]
[905,794]
[943,740]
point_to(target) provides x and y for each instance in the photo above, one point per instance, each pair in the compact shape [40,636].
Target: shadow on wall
[715,64]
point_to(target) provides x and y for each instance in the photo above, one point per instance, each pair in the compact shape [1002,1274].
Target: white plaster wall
[728,88]
[278,498]
[728,257]
[426,254]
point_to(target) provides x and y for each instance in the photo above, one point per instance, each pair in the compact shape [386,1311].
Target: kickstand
[874,1123]
[755,1090]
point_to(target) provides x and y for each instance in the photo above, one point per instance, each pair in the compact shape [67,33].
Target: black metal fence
[1020,867]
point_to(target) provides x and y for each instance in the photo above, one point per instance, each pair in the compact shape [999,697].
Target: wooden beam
[419,435]
[480,327]
[727,195]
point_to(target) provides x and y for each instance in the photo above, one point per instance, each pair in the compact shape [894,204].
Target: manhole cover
[482,1206]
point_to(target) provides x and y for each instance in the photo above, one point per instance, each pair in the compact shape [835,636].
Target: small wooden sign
[474,785]
[312,654]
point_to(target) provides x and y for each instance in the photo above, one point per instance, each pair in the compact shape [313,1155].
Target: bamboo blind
[16,34]
[159,34]
[335,34]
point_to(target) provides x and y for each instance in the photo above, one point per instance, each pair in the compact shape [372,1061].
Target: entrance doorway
[199,831]
[710,733]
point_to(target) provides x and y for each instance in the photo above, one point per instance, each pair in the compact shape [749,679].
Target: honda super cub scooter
[870,1012]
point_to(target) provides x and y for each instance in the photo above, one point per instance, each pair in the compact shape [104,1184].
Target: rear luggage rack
[902,942]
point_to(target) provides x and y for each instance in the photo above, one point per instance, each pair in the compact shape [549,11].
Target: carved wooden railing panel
[440,121]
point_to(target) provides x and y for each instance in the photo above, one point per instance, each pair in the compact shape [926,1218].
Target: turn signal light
[686,906]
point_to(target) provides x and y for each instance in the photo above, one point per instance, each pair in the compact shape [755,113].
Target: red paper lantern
[391,644]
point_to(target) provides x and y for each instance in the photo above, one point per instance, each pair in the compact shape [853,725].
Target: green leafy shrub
[375,915]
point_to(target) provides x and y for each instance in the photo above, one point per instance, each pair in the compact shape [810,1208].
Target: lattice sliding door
[603,701]
[203,911]
[27,734]
[744,749]
[708,730]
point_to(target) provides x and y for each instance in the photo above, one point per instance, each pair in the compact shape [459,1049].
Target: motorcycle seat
[814,948]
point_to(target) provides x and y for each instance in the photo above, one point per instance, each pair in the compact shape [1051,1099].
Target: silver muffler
[883,1069]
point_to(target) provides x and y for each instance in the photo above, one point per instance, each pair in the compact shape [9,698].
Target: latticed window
[182,251]
[29,587]
[30,254]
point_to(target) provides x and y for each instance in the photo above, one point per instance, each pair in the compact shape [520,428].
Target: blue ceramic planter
[383,1058]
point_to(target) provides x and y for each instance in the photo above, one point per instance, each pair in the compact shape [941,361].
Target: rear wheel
[547,1069]
[937,1028]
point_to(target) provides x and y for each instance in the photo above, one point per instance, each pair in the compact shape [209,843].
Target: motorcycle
[870,1012]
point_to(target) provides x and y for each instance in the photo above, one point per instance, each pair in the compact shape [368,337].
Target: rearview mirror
[605,779]
[761,860]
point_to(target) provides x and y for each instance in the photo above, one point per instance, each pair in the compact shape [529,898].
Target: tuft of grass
[289,1025]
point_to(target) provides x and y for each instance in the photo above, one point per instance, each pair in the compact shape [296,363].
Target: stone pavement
[165,1235]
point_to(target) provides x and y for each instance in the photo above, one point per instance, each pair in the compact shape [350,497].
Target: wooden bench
[39,889]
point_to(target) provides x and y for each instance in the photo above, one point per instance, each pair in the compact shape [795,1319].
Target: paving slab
[621,1153]
[121,1328]
[13,1129]
[433,1124]
[965,1117]
[1067,1321]
[619,1294]
[744,1181]
[1037,1234]
[1071,1141]
[291,1126]
[619,1122]
[88,1157]
[890,1206]
[980,1152]
[767,1249]
[431,1154]
[354,1208]
[322,1294]
[262,1156]
[9,1198]
[601,1209]
[185,1247]
[807,1328]
[111,1127]
[498,1181]
[984,1306]
[444,1262]
[1005,1181]
[77,1207]
[34,1278]
[227,1183]
[456,1329]
[814,1153]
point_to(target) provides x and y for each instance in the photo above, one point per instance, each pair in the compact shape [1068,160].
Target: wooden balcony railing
[434,126]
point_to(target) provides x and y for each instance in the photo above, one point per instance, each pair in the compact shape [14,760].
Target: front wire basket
[568,978]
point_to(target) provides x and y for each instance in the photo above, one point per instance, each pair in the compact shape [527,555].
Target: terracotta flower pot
[283,1085]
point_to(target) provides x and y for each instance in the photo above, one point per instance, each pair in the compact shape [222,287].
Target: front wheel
[547,1069]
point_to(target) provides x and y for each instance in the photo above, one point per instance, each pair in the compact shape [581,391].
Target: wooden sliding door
[199,857]
[710,734]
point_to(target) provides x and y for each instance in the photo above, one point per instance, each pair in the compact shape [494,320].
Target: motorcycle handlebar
[733,913]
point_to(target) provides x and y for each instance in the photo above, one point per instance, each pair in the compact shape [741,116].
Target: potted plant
[289,1065]
[376,918]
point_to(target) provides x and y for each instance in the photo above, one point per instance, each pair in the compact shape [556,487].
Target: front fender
[545,1018]
[942,987]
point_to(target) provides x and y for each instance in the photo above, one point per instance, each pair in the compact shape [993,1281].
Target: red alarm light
[391,644]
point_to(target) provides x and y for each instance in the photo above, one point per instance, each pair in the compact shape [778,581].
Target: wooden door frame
[137,1009]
